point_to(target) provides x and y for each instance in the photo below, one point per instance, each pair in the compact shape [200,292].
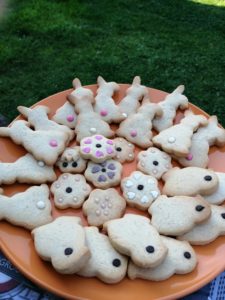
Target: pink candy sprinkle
[86,150]
[53,143]
[109,150]
[88,141]
[110,142]
[189,156]
[99,153]
[98,137]
[133,133]
[70,118]
[103,112]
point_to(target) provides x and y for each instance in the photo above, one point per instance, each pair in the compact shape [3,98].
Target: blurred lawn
[44,44]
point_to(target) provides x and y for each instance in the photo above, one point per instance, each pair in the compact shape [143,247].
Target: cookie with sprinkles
[124,150]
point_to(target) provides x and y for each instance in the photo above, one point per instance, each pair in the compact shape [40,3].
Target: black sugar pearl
[223,215]
[140,187]
[103,170]
[74,164]
[150,249]
[208,178]
[155,163]
[118,149]
[68,251]
[69,189]
[98,145]
[187,255]
[65,164]
[116,262]
[199,208]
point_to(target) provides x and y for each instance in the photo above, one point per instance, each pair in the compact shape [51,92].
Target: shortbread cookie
[65,115]
[140,190]
[105,106]
[70,190]
[88,121]
[137,127]
[104,175]
[26,169]
[38,118]
[176,140]
[154,162]
[29,209]
[124,150]
[209,230]
[180,259]
[218,196]
[71,162]
[103,205]
[207,136]
[97,148]
[63,243]
[189,181]
[177,215]
[45,146]
[134,236]
[105,263]
[134,94]
[169,106]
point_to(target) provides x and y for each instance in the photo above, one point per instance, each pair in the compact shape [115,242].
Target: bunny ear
[100,80]
[179,89]
[4,131]
[76,83]
[24,110]
[146,99]
[213,119]
[136,80]
[71,98]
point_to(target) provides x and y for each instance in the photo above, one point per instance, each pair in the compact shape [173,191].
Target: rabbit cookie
[65,115]
[133,235]
[105,263]
[176,140]
[180,259]
[105,106]
[154,162]
[190,181]
[63,243]
[137,127]
[124,150]
[134,94]
[140,190]
[169,106]
[29,209]
[179,214]
[88,121]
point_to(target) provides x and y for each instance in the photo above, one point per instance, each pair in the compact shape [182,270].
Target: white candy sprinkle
[40,204]
[109,205]
[60,200]
[137,175]
[57,185]
[106,212]
[98,213]
[144,199]
[41,163]
[93,130]
[129,145]
[171,139]
[130,155]
[154,171]
[65,176]
[124,114]
[103,205]
[154,194]
[75,199]
[131,195]
[128,183]
[96,200]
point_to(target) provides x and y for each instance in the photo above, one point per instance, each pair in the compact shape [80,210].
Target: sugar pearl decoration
[75,199]
[53,143]
[40,204]
[93,130]
[57,185]
[98,212]
[96,200]
[41,163]
[60,200]
[106,212]
[171,139]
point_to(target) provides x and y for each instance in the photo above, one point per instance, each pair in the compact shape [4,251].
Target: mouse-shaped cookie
[65,115]
[218,196]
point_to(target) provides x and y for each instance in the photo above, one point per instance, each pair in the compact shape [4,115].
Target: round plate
[17,244]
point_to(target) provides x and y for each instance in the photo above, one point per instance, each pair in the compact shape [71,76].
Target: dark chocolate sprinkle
[155,163]
[150,249]
[69,189]
[187,255]
[68,251]
[208,178]
[199,208]
[74,164]
[65,164]
[116,262]
[98,145]
[103,170]
[119,149]
[140,187]
[223,215]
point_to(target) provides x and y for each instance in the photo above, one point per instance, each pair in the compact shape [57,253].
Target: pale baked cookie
[180,259]
[105,263]
[124,150]
[38,118]
[209,230]
[104,175]
[134,94]
[137,127]
[70,190]
[65,115]
[176,140]
[104,105]
[71,162]
[45,146]
[97,148]
[29,209]
[154,162]
[103,205]
[26,169]
[63,243]
[88,121]
[140,190]
[178,215]
[133,235]
[218,196]
[169,106]
[190,181]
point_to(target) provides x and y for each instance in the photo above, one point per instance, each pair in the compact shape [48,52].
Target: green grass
[44,44]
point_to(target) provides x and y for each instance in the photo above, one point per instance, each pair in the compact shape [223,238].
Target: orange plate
[18,246]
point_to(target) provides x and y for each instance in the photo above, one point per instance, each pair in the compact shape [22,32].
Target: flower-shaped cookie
[97,148]
[70,190]
[71,161]
[124,150]
[140,190]
[104,175]
[154,162]
[103,205]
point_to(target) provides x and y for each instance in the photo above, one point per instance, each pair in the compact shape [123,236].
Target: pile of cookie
[185,210]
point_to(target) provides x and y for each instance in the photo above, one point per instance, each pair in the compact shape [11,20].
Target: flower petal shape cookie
[154,162]
[218,196]
[133,235]
[140,190]
[65,115]
[63,243]
[29,209]
[104,175]
[103,205]
[124,150]
[70,190]
[178,215]
[97,148]
[180,259]
[105,263]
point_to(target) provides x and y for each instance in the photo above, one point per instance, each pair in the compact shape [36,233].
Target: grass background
[44,44]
